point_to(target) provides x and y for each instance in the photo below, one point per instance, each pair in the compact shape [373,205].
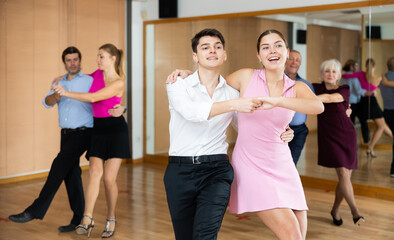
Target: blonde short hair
[332,63]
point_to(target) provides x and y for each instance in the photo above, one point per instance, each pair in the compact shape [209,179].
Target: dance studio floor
[142,211]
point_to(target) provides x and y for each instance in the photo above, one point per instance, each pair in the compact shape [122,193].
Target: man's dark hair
[348,65]
[390,64]
[71,50]
[206,32]
[371,62]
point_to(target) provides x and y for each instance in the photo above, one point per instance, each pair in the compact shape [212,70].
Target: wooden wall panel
[349,46]
[20,82]
[33,34]
[325,43]
[46,62]
[86,27]
[242,47]
[96,23]
[110,15]
[266,24]
[172,50]
[3,76]
[322,44]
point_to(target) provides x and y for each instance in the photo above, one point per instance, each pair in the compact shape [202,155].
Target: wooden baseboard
[135,161]
[157,159]
[45,174]
[359,189]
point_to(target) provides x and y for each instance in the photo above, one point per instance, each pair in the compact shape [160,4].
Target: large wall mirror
[334,33]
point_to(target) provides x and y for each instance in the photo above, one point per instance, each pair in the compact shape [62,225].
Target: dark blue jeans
[197,197]
[389,118]
[297,144]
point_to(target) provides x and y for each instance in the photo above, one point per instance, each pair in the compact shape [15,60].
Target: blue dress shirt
[388,92]
[73,113]
[356,91]
[300,118]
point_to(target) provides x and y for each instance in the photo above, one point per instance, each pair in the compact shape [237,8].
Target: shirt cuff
[43,101]
[204,110]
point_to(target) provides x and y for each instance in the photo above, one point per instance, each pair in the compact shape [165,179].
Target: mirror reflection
[355,33]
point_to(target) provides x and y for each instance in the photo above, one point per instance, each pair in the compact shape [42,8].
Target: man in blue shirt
[76,122]
[356,92]
[293,63]
[387,91]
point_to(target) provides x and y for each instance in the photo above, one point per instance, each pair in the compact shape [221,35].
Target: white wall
[193,8]
[387,30]
[149,10]
[137,76]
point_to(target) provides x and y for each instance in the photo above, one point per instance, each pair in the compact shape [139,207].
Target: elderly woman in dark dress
[337,140]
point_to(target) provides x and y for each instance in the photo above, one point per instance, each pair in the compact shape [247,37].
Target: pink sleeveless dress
[265,174]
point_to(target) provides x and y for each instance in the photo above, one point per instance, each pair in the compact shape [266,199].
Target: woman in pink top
[369,107]
[110,140]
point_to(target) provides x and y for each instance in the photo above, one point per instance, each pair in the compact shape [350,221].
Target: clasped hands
[58,89]
[249,105]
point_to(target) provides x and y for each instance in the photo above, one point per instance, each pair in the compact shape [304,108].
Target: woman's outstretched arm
[305,101]
[114,88]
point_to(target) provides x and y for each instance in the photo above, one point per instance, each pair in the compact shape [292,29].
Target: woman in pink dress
[266,180]
[110,141]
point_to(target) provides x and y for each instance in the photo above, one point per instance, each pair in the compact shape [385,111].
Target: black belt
[70,130]
[198,159]
[294,126]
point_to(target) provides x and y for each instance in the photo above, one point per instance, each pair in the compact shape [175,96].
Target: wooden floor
[371,171]
[143,214]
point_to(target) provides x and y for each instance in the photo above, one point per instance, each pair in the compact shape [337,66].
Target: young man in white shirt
[199,175]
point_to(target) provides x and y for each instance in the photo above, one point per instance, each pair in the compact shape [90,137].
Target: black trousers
[389,118]
[297,144]
[197,197]
[65,167]
[357,112]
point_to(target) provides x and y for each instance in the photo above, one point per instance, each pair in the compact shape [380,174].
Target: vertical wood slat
[19,85]
[33,34]
[3,75]
[325,43]
[46,62]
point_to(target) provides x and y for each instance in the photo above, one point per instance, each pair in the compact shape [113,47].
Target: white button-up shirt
[192,133]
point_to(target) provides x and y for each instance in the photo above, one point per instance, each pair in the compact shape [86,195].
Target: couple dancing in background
[364,104]
[86,127]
